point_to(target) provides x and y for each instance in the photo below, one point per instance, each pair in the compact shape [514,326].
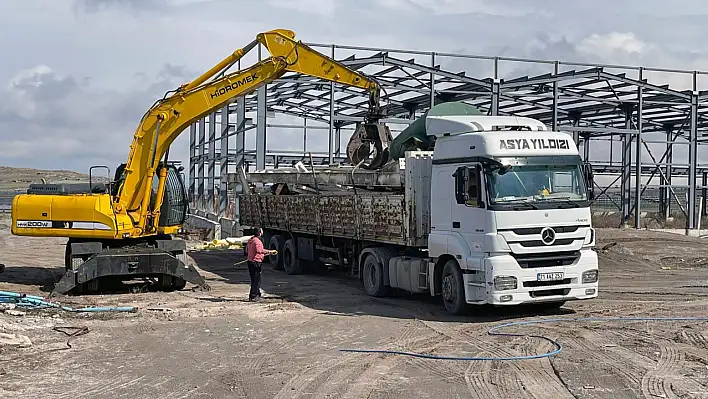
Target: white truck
[498,213]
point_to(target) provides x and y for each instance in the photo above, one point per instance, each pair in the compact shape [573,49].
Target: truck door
[467,211]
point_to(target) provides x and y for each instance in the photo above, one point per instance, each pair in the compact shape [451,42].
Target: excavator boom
[124,229]
[168,118]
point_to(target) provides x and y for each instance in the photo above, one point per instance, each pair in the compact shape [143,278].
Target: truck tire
[373,276]
[453,288]
[291,263]
[276,243]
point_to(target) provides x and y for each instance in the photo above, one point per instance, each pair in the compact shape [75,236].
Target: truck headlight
[590,276]
[589,237]
[503,283]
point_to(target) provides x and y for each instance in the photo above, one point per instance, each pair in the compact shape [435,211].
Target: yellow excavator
[123,230]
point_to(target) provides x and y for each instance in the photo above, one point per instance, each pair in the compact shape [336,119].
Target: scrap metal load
[387,149]
[386,202]
[383,172]
[385,206]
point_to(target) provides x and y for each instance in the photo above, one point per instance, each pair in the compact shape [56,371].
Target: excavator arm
[166,120]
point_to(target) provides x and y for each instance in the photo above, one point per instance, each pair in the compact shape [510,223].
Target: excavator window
[174,207]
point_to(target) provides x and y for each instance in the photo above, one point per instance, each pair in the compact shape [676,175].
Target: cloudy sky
[76,75]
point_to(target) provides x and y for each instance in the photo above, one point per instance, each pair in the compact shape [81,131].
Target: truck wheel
[373,277]
[291,263]
[453,288]
[276,243]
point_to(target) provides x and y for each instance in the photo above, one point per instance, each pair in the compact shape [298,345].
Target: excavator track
[89,263]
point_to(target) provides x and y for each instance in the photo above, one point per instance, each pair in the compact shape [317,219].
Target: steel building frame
[590,102]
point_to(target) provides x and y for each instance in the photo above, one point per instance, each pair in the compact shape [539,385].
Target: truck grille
[539,243]
[537,230]
[529,261]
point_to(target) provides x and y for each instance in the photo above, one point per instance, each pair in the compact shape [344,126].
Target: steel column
[638,154]
[192,161]
[626,166]
[304,136]
[494,106]
[211,171]
[432,80]
[261,122]
[240,132]
[554,117]
[201,152]
[692,156]
[224,162]
[331,118]
[704,192]
[667,181]
[338,139]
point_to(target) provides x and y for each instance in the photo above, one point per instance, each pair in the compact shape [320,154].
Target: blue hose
[36,302]
[558,346]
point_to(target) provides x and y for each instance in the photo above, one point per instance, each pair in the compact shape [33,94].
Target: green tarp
[415,137]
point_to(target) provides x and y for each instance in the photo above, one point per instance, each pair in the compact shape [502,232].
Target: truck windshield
[536,183]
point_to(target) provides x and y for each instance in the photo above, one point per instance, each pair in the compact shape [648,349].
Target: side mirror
[461,176]
[589,180]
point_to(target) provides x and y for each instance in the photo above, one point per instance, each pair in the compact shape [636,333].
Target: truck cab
[510,205]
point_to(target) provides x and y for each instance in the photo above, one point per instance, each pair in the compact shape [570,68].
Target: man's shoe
[256,299]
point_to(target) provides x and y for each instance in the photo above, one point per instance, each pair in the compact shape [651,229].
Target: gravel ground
[217,345]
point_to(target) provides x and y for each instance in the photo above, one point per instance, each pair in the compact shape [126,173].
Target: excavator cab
[174,208]
[175,205]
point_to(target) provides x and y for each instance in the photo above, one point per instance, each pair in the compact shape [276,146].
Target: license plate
[549,276]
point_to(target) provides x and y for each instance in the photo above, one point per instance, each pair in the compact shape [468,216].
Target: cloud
[78,76]
[49,119]
[455,7]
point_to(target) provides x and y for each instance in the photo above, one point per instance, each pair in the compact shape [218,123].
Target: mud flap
[128,264]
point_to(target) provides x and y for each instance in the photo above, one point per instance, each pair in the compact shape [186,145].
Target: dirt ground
[216,345]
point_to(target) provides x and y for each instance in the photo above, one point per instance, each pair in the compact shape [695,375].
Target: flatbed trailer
[441,222]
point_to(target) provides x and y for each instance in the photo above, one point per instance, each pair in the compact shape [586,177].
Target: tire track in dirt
[519,381]
[662,378]
[478,383]
[368,380]
[624,362]
[299,382]
[482,381]
[657,382]
[623,377]
[538,375]
[695,338]
[321,380]
[505,376]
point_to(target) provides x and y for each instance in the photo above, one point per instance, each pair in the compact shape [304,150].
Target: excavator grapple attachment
[359,151]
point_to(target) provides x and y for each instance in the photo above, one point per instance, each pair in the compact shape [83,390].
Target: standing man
[256,252]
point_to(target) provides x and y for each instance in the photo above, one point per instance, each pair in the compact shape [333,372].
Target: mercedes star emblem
[548,235]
